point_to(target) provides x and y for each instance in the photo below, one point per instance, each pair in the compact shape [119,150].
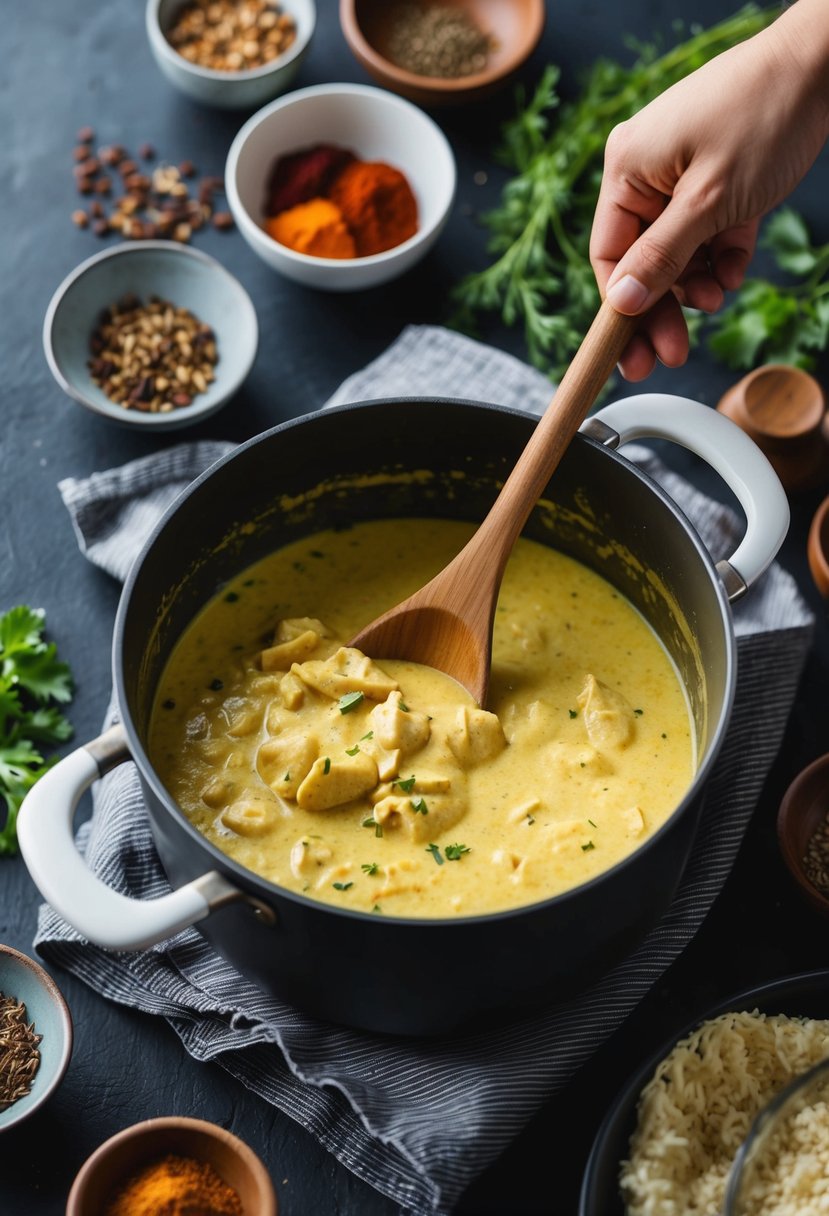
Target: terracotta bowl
[804,807]
[514,25]
[129,1151]
[818,548]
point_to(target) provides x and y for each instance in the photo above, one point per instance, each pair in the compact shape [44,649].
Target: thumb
[655,262]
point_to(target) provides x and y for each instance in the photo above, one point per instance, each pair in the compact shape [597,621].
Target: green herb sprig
[540,276]
[773,323]
[32,680]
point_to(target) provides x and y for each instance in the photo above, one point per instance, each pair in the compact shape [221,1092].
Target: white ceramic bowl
[186,277]
[375,125]
[229,90]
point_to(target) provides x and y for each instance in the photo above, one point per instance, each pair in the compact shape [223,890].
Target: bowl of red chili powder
[341,186]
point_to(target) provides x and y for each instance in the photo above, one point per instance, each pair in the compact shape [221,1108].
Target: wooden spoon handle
[593,362]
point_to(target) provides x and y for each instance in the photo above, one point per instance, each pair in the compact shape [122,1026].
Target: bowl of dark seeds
[153,335]
[803,832]
[35,1036]
[442,52]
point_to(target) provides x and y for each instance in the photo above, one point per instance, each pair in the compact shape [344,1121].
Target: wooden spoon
[448,623]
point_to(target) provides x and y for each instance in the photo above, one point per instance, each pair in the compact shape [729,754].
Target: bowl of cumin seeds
[35,1036]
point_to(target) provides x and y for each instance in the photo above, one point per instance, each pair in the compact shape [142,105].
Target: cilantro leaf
[32,679]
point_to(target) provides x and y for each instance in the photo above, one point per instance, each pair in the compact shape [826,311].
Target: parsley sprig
[32,680]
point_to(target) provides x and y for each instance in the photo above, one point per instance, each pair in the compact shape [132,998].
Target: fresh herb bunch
[32,679]
[541,276]
[769,323]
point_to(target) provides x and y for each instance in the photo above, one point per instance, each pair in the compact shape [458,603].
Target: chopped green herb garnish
[574,713]
[370,867]
[287,777]
[368,735]
[217,685]
[326,768]
[352,751]
[406,784]
[638,712]
[582,764]
[372,823]
[231,597]
[342,886]
[664,736]
[405,708]
[585,848]
[316,553]
[419,806]
[454,852]
[435,851]
[377,908]
[592,824]
[530,820]
[350,701]
[170,704]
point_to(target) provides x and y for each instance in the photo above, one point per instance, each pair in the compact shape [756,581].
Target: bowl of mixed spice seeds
[442,52]
[235,54]
[35,1036]
[151,335]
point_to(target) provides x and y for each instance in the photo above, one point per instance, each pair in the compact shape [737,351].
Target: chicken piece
[388,762]
[567,761]
[608,716]
[332,783]
[420,817]
[347,670]
[308,856]
[569,836]
[399,728]
[400,877]
[524,812]
[476,735]
[633,820]
[242,716]
[253,813]
[284,654]
[292,691]
[291,627]
[219,791]
[285,761]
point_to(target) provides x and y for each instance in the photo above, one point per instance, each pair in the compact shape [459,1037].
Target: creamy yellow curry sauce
[380,786]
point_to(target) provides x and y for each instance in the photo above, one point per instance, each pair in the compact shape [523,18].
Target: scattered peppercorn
[436,40]
[231,35]
[144,205]
[152,357]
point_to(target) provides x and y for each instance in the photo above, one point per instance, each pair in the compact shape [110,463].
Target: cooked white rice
[697,1109]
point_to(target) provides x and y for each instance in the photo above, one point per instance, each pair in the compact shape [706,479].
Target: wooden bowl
[818,548]
[122,1156]
[804,808]
[515,27]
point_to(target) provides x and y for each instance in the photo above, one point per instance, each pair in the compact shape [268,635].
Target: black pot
[392,974]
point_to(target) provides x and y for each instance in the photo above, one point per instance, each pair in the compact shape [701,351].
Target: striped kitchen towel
[417,1120]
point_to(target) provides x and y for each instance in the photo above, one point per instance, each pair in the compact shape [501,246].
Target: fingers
[731,252]
[657,259]
[664,337]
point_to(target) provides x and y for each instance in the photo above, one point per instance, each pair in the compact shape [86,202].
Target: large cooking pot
[436,458]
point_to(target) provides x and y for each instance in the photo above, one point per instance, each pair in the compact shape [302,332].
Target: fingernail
[628,295]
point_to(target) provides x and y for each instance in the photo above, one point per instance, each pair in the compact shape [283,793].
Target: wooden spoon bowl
[448,623]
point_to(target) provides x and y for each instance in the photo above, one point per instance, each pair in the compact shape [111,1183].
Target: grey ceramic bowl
[184,276]
[21,977]
[229,90]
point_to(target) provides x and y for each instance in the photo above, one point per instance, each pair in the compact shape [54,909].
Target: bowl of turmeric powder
[173,1164]
[340,186]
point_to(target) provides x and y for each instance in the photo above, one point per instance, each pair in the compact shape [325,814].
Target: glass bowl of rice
[783,1165]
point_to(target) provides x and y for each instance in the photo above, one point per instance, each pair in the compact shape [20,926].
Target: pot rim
[270,891]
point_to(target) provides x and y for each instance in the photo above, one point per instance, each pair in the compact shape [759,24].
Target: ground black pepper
[436,40]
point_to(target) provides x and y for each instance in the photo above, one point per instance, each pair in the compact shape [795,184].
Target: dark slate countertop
[88,63]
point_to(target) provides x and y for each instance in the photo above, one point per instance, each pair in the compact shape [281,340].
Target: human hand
[688,178]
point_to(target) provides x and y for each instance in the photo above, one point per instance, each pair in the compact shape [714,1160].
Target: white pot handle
[103,916]
[727,449]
